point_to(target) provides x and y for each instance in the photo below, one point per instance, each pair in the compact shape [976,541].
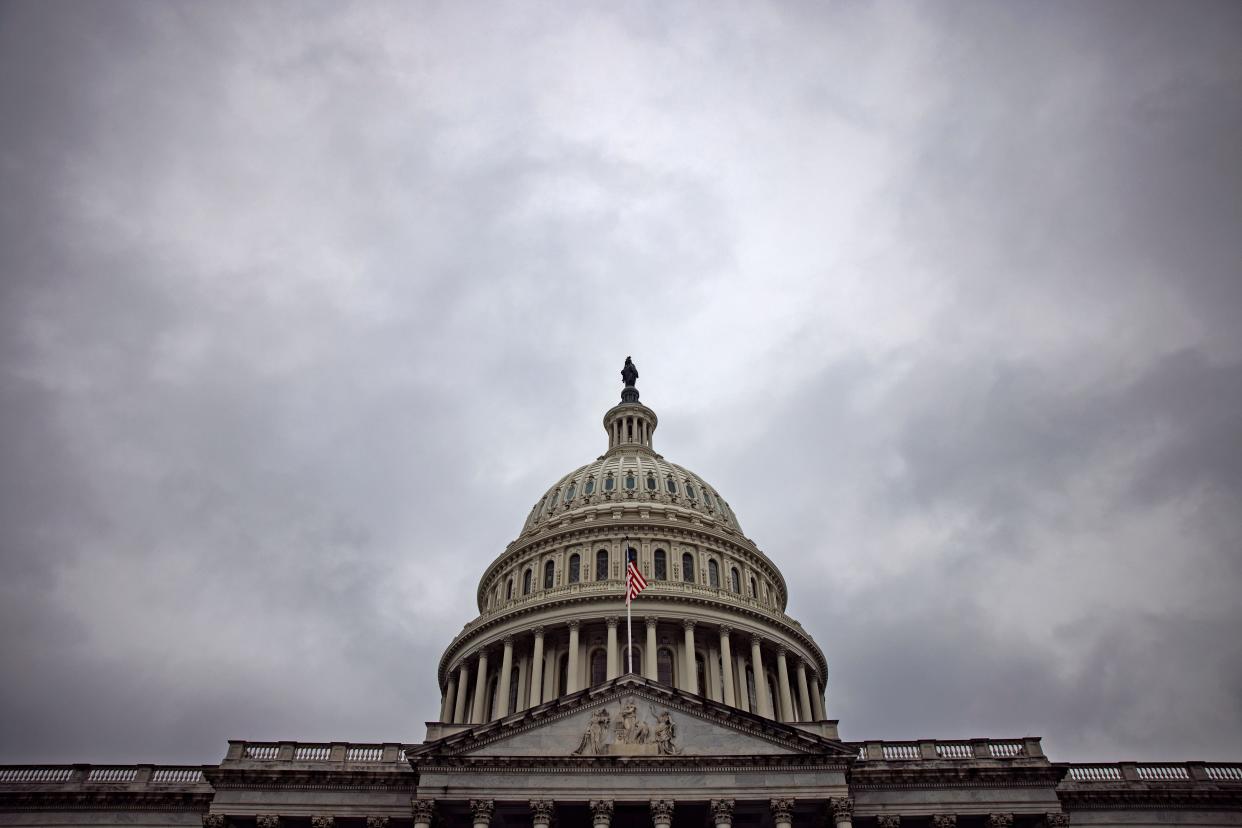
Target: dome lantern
[629,424]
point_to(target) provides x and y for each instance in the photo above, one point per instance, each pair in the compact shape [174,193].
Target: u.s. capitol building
[715,717]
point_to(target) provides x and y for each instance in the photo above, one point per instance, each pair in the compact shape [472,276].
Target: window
[599,667]
[575,568]
[549,574]
[735,581]
[562,676]
[687,568]
[651,483]
[513,690]
[601,565]
[571,491]
[609,483]
[661,565]
[491,699]
[750,689]
[713,574]
[671,485]
[550,504]
[754,588]
[631,482]
[690,490]
[700,672]
[707,498]
[589,486]
[509,590]
[526,576]
[664,666]
[776,711]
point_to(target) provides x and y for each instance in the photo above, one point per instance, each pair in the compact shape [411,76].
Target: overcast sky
[304,306]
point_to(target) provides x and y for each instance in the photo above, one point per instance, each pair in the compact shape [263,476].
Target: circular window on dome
[671,485]
[589,486]
[651,483]
[571,491]
[631,482]
[690,493]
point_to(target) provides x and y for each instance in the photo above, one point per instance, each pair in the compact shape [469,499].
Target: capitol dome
[552,611]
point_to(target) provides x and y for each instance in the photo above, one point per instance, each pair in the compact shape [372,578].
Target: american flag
[634,580]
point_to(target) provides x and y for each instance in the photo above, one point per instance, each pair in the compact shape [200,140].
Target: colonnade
[478,689]
[542,812]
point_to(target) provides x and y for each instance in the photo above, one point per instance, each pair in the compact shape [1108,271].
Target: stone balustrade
[1117,773]
[338,753]
[129,777]
[928,750]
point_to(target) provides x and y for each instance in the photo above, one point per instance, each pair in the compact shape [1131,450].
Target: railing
[388,753]
[1159,772]
[131,776]
[953,751]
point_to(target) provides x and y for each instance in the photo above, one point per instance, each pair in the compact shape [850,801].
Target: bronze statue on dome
[629,373]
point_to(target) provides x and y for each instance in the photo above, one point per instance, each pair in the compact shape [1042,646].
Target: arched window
[601,565]
[735,581]
[575,568]
[754,588]
[687,568]
[513,690]
[571,491]
[609,483]
[750,689]
[549,574]
[562,676]
[651,482]
[713,574]
[526,576]
[631,482]
[671,485]
[599,667]
[664,666]
[589,486]
[700,672]
[661,565]
[509,590]
[689,490]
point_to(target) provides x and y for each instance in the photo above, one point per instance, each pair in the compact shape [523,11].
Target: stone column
[541,813]
[601,813]
[536,670]
[782,685]
[450,698]
[506,671]
[722,813]
[481,811]
[817,700]
[692,674]
[782,812]
[888,821]
[842,811]
[480,689]
[1000,820]
[726,664]
[661,813]
[613,670]
[571,680]
[739,667]
[804,693]
[650,670]
[463,684]
[761,680]
[944,820]
[423,810]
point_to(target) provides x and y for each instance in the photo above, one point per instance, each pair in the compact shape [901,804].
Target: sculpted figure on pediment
[665,734]
[630,731]
[595,740]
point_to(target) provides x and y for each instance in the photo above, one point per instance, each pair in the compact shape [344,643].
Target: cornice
[111,800]
[791,763]
[1000,773]
[1192,797]
[395,778]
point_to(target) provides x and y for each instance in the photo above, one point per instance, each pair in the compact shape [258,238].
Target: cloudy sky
[302,307]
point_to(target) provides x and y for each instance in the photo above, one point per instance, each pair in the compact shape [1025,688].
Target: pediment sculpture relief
[628,734]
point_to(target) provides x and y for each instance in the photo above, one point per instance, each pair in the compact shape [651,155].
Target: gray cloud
[302,307]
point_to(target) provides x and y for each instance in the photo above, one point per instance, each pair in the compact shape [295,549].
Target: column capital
[662,811]
[377,822]
[651,621]
[322,822]
[538,631]
[267,821]
[722,811]
[781,651]
[688,623]
[213,820]
[1000,820]
[944,820]
[1059,819]
[479,653]
[507,641]
[725,630]
[782,809]
[574,624]
[601,812]
[482,810]
[612,621]
[842,808]
[888,821]
[423,809]
[541,811]
[756,640]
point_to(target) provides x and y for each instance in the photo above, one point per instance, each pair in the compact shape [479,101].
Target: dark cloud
[302,307]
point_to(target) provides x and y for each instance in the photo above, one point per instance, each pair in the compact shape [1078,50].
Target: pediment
[631,717]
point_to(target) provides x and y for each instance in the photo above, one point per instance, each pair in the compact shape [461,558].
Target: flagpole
[629,627]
